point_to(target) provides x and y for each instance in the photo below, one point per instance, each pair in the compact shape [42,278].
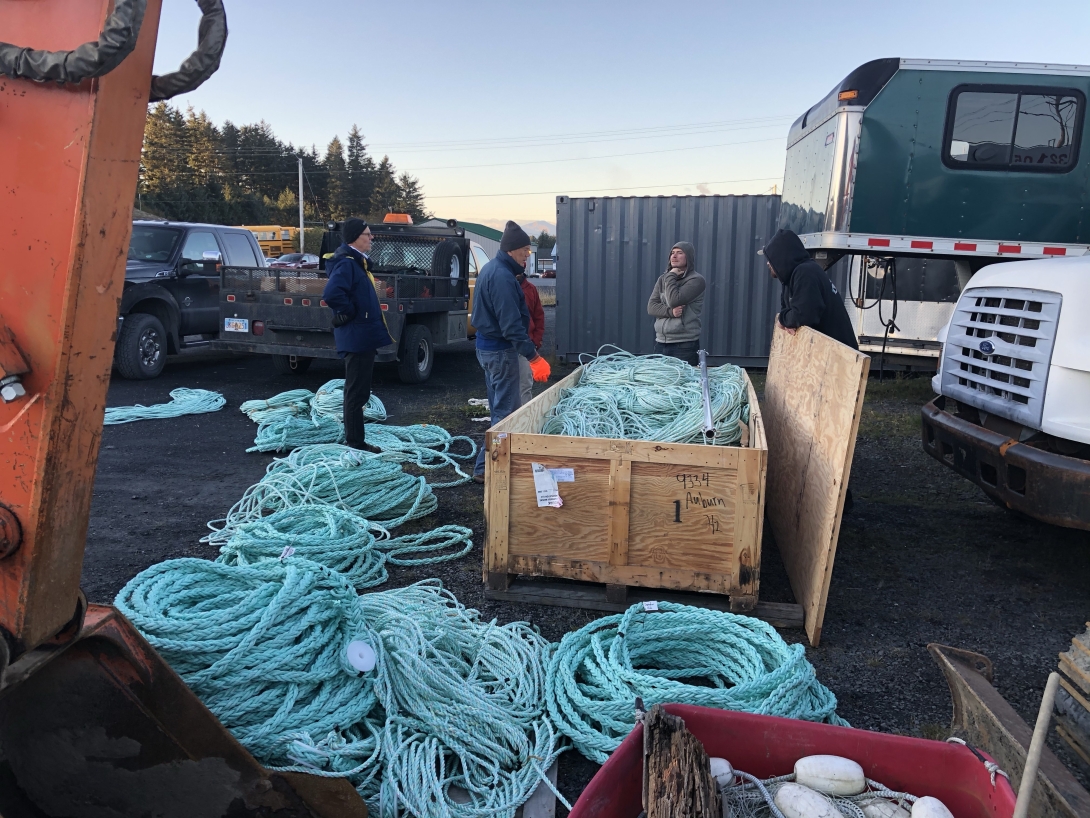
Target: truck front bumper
[1046,486]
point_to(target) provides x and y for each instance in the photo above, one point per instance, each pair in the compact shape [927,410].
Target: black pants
[357,390]
[686,351]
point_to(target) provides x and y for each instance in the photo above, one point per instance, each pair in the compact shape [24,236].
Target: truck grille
[998,351]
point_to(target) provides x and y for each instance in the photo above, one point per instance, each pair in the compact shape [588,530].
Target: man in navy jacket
[359,327]
[503,322]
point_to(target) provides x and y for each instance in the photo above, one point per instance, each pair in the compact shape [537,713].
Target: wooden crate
[683,517]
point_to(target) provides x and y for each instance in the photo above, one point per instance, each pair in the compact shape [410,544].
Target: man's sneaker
[367,447]
[478,478]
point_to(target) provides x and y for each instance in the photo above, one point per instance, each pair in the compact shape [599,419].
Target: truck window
[153,243]
[239,251]
[1013,128]
[197,244]
[482,257]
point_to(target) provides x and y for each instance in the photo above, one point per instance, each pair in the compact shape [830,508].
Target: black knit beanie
[352,230]
[690,254]
[514,237]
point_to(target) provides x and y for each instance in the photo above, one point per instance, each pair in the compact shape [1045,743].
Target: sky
[498,107]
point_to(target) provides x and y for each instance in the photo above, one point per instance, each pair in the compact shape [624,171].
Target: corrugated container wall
[611,251]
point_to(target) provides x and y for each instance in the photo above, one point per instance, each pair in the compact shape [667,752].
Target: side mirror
[212,255]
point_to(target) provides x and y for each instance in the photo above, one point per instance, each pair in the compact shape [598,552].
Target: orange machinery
[92,720]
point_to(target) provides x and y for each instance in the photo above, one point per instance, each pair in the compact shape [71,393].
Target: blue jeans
[501,380]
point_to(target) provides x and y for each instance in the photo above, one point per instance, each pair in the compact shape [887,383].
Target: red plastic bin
[767,746]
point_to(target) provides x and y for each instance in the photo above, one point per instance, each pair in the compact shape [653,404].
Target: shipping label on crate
[548,494]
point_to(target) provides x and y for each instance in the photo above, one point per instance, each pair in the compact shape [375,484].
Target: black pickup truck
[171,299]
[422,279]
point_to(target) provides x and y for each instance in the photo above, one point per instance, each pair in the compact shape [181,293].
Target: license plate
[236,324]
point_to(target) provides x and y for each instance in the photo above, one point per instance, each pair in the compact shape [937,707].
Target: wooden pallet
[618,598]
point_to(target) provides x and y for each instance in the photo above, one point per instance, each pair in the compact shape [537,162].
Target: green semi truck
[923,174]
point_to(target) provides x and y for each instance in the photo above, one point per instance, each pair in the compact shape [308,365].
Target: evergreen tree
[361,174]
[336,173]
[410,198]
[163,158]
[204,147]
[385,196]
[545,241]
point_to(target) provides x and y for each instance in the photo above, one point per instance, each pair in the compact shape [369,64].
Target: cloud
[702,188]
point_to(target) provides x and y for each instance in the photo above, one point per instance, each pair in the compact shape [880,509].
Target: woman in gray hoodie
[676,304]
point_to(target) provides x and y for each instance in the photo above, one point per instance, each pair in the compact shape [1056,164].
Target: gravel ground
[924,556]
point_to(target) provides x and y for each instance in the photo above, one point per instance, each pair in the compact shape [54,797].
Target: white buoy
[831,775]
[722,772]
[928,807]
[881,808]
[361,656]
[797,801]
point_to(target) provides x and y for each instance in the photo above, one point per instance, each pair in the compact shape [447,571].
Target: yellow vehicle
[275,240]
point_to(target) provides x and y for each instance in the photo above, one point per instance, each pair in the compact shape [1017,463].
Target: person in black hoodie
[808,297]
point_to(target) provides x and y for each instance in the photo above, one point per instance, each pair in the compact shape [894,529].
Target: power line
[600,189]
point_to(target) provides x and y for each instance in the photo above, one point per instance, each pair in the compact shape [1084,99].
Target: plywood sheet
[812,402]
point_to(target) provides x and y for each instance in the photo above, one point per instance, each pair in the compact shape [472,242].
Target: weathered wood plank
[677,775]
[593,597]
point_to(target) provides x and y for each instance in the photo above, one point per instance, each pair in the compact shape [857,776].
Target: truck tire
[141,351]
[446,262]
[416,355]
[284,365]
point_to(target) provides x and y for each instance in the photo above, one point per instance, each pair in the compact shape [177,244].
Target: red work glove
[540,367]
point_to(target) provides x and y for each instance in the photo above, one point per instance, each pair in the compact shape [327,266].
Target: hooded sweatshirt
[672,290]
[808,297]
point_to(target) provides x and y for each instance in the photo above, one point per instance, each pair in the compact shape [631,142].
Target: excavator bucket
[93,723]
[985,720]
[100,725]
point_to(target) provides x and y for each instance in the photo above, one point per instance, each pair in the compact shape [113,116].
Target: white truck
[1013,412]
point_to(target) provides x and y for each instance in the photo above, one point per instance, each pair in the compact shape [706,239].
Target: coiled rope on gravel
[650,397]
[328,401]
[334,475]
[451,702]
[598,671]
[341,540]
[182,402]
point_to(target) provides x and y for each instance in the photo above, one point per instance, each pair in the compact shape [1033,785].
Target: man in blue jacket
[503,321]
[359,327]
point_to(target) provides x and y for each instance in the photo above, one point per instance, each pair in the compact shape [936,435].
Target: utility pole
[302,226]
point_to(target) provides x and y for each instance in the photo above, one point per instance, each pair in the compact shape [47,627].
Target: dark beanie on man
[690,254]
[352,229]
[514,237]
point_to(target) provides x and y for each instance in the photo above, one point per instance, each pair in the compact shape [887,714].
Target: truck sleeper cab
[919,173]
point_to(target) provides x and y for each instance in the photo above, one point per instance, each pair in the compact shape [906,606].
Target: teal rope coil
[333,475]
[182,402]
[293,403]
[598,671]
[425,446]
[328,401]
[300,417]
[342,541]
[650,397]
[451,702]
